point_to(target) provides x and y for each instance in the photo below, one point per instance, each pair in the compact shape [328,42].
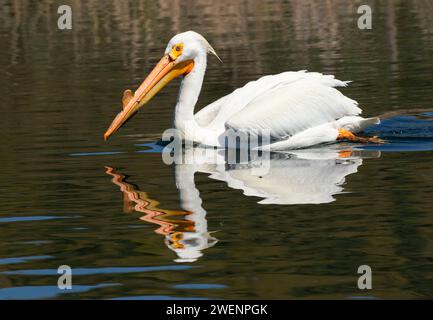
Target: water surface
[132,227]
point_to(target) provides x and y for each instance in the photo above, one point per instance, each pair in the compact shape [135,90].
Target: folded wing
[285,104]
[289,109]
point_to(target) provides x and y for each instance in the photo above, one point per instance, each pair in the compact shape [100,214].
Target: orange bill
[165,71]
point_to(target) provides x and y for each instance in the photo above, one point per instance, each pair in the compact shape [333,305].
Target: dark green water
[69,198]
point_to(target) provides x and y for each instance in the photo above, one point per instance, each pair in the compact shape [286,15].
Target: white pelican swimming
[297,109]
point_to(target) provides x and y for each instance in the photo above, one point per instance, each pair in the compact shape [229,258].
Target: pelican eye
[176,51]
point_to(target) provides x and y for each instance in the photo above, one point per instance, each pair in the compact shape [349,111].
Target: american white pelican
[297,109]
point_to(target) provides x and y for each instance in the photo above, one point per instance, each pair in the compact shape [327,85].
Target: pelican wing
[206,115]
[217,113]
[285,104]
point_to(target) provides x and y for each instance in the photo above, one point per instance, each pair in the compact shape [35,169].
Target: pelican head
[179,59]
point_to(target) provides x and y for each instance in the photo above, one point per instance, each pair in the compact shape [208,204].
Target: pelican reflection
[185,231]
[310,176]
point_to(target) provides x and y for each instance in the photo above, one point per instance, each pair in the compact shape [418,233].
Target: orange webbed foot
[344,134]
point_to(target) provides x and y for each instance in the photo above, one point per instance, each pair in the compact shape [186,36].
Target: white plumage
[296,109]
[306,101]
[288,104]
[300,109]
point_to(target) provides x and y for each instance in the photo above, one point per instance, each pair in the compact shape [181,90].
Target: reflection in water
[52,154]
[185,232]
[310,176]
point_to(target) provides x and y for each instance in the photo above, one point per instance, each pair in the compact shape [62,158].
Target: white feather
[291,108]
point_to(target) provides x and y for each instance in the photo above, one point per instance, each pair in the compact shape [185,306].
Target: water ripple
[33,218]
[16,260]
[82,154]
[93,271]
[43,292]
[200,286]
[159,298]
